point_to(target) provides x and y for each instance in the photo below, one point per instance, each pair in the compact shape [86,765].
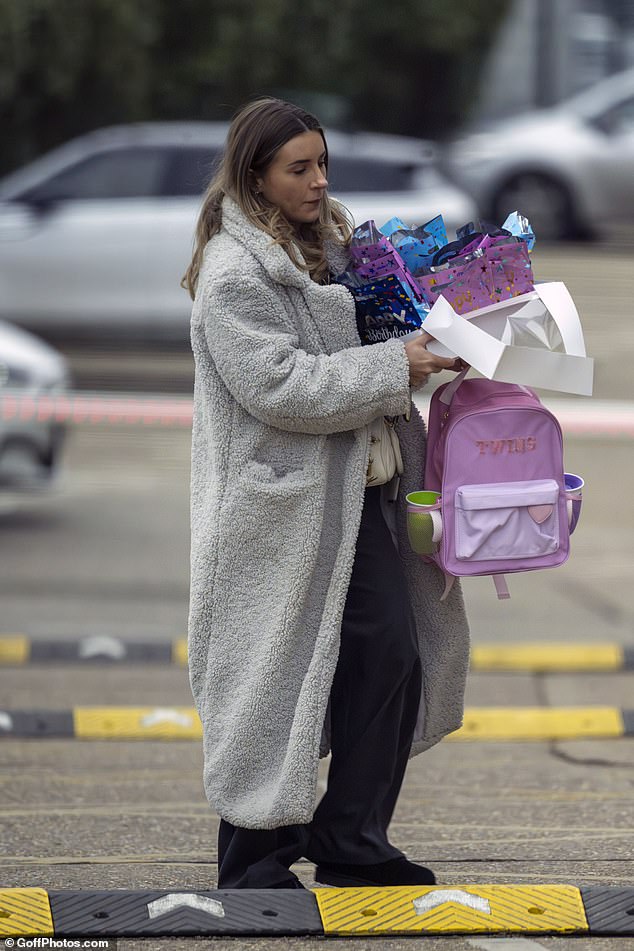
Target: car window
[120,173]
[348,174]
[191,169]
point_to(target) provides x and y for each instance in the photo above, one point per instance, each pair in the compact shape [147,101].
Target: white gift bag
[533,339]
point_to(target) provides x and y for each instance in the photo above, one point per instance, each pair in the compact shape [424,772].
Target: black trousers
[374,704]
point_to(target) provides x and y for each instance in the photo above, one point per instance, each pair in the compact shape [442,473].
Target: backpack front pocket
[505,520]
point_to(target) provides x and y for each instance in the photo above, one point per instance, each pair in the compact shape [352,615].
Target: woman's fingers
[422,362]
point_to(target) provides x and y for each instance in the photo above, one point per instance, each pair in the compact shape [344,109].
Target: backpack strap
[498,580]
[449,391]
[449,583]
[501,587]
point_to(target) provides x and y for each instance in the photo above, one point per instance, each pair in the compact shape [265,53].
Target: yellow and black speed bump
[548,656]
[609,910]
[628,722]
[17,649]
[264,911]
[465,909]
[543,723]
[552,657]
[440,909]
[183,723]
[37,723]
[25,911]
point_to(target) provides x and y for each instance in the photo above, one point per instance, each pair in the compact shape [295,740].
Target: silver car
[29,447]
[95,236]
[569,169]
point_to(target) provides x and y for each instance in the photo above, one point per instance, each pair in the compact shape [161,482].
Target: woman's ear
[256,183]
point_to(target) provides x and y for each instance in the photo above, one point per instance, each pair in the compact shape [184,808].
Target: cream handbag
[385,452]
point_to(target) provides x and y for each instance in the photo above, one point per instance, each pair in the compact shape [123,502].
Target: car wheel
[546,203]
[20,464]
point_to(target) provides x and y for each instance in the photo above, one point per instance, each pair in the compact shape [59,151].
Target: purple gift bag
[497,269]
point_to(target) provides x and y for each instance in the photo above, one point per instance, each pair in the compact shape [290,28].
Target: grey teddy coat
[283,395]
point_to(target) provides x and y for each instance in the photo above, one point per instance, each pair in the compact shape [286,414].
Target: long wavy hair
[256,134]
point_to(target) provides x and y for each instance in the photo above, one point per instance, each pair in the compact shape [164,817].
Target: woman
[308,634]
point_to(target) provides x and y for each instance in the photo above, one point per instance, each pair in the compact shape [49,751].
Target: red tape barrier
[594,418]
[96,408]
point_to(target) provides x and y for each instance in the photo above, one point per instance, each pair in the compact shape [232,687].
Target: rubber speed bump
[25,911]
[18,649]
[402,910]
[179,652]
[183,723]
[36,723]
[14,650]
[99,649]
[164,723]
[540,723]
[609,910]
[552,657]
[465,909]
[232,912]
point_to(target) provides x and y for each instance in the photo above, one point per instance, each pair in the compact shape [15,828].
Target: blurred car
[29,448]
[96,235]
[569,169]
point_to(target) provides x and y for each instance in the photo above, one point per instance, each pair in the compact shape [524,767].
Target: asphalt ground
[106,551]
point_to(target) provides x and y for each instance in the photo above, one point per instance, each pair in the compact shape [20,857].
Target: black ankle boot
[394,872]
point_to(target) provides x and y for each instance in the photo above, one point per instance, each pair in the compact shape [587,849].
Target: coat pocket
[269,538]
[274,476]
[507,520]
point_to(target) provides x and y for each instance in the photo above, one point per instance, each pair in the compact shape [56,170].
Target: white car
[96,235]
[569,169]
[29,447]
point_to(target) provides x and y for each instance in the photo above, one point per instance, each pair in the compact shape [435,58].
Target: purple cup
[574,487]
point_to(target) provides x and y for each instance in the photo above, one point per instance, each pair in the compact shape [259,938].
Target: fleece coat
[283,395]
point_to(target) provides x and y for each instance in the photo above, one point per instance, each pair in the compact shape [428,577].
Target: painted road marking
[162,906]
[101,646]
[456,895]
[505,944]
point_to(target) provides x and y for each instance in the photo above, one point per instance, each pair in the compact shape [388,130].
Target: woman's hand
[422,363]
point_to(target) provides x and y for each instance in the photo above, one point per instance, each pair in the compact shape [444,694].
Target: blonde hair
[255,136]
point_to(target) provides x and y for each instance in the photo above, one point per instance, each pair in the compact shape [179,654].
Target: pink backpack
[495,454]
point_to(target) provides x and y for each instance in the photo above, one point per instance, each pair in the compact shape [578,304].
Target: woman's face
[295,181]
